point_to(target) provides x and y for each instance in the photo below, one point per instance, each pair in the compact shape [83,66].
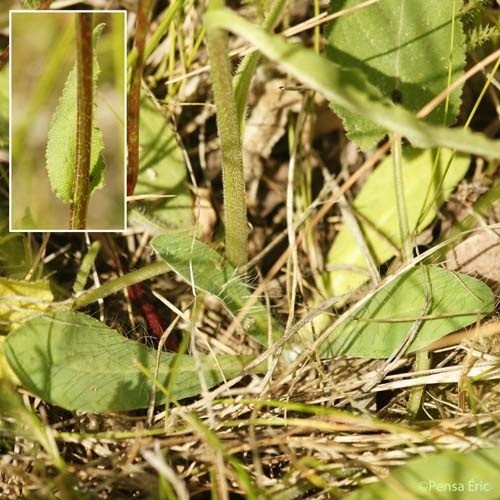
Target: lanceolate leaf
[377,328]
[376,204]
[61,146]
[78,363]
[213,274]
[350,88]
[449,475]
[407,60]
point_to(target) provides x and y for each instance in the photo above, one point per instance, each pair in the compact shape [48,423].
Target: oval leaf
[456,300]
[78,363]
[407,60]
[213,274]
[61,146]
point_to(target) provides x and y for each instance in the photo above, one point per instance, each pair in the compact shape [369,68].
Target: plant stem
[404,229]
[229,132]
[113,286]
[422,358]
[134,96]
[422,362]
[85,107]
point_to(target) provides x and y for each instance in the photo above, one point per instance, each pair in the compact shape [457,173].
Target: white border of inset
[125,111]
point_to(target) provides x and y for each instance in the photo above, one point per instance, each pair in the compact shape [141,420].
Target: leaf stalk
[146,272]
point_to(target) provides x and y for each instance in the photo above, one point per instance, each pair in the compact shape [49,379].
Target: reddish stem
[85,103]
[155,322]
[140,297]
[134,97]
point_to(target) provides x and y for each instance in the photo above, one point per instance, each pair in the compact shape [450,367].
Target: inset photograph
[67,115]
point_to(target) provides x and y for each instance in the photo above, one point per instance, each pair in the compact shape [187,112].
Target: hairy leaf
[78,363]
[61,145]
[407,60]
[213,274]
[349,88]
[376,204]
[378,327]
[447,475]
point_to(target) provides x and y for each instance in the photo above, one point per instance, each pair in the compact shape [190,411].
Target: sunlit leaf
[61,145]
[77,362]
[6,371]
[378,327]
[19,300]
[407,60]
[376,204]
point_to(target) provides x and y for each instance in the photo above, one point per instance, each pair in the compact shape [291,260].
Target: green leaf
[20,300]
[409,57]
[380,211]
[350,89]
[15,255]
[211,273]
[457,300]
[161,171]
[449,475]
[4,107]
[61,146]
[78,363]
[86,266]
